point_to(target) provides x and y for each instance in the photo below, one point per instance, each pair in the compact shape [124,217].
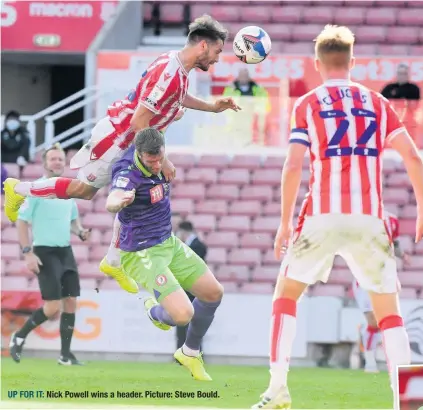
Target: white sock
[282,335]
[45,188]
[397,348]
[370,337]
[189,352]
[113,254]
[370,359]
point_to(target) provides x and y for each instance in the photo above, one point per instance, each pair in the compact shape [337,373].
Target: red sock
[50,188]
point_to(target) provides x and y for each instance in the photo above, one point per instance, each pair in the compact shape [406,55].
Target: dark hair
[149,141]
[54,147]
[206,28]
[12,114]
[186,226]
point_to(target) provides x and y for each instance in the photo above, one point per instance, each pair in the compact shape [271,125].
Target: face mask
[12,125]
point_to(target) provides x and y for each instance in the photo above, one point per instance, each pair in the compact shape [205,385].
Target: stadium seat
[235,176]
[399,196]
[81,253]
[412,279]
[279,31]
[218,191]
[10,235]
[260,288]
[408,212]
[105,236]
[371,34]
[192,191]
[398,179]
[274,162]
[393,50]
[171,13]
[402,35]
[269,259]
[406,244]
[261,241]
[365,49]
[85,206]
[266,177]
[223,239]
[217,256]
[88,284]
[245,257]
[90,270]
[203,223]
[287,14]
[200,9]
[250,162]
[319,15]
[13,170]
[4,221]
[225,13]
[259,14]
[305,32]
[417,50]
[185,161]
[234,223]
[415,263]
[417,3]
[217,207]
[265,224]
[350,15]
[14,283]
[33,284]
[231,273]
[300,48]
[99,220]
[265,274]
[33,171]
[328,290]
[261,193]
[230,287]
[202,175]
[410,17]
[408,293]
[18,268]
[418,249]
[214,161]
[407,227]
[147,11]
[10,252]
[272,209]
[249,208]
[381,16]
[3,267]
[183,206]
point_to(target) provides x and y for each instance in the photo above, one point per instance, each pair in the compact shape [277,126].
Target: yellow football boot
[125,282]
[12,200]
[194,364]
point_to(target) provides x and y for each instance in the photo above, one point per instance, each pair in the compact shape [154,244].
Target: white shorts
[361,240]
[97,172]
[362,298]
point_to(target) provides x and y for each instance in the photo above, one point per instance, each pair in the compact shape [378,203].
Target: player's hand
[168,170]
[127,198]
[223,104]
[33,262]
[282,239]
[419,228]
[180,114]
[84,234]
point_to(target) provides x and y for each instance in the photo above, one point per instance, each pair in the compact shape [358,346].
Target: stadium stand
[382,27]
[234,202]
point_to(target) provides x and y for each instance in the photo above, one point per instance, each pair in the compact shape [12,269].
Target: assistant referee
[51,258]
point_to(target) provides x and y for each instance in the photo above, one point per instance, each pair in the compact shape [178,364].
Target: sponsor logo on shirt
[150,101]
[156,194]
[166,77]
[122,182]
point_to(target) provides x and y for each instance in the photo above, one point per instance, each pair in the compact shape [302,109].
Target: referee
[51,259]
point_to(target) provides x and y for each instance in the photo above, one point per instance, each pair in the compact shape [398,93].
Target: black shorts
[58,277]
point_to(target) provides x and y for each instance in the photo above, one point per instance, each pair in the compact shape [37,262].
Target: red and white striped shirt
[346,127]
[161,89]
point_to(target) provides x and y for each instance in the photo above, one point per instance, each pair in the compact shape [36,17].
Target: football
[252,45]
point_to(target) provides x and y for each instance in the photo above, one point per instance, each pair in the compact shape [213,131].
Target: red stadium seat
[231,273]
[90,270]
[298,48]
[266,177]
[272,209]
[402,35]
[318,15]
[396,195]
[274,162]
[88,284]
[265,224]
[33,171]
[200,9]
[228,192]
[269,259]
[245,257]
[265,274]
[245,161]
[365,49]
[10,235]
[412,279]
[13,170]
[192,191]
[183,206]
[407,227]
[393,50]
[214,161]
[80,252]
[249,208]
[98,252]
[408,212]
[203,175]
[262,241]
[235,176]
[350,15]
[381,16]
[415,263]
[185,161]
[217,207]
[371,34]
[279,31]
[328,290]
[105,236]
[406,244]
[305,32]
[287,14]
[417,50]
[417,3]
[3,267]
[223,239]
[171,13]
[418,249]
[18,268]
[10,252]
[217,256]
[14,283]
[410,17]
[408,293]
[259,14]
[234,223]
[398,179]
[261,193]
[203,223]
[85,206]
[147,11]
[260,288]
[230,287]
[101,221]
[99,204]
[225,13]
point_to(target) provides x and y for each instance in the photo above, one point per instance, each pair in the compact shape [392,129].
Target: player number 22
[334,150]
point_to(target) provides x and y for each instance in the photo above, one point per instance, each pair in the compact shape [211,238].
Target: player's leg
[370,334]
[50,288]
[372,262]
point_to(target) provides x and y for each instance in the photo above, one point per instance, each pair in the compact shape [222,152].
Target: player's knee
[183,315]
[214,294]
[69,305]
[51,308]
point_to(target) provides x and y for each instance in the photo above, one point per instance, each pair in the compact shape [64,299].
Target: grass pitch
[235,386]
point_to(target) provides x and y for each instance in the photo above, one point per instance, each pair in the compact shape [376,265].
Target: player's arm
[141,118]
[119,199]
[219,105]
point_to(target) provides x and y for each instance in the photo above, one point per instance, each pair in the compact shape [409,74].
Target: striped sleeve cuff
[394,133]
[299,136]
